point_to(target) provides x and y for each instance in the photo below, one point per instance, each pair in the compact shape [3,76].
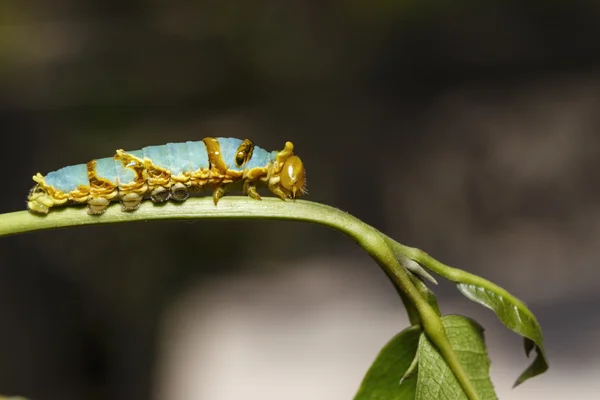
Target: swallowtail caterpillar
[170,171]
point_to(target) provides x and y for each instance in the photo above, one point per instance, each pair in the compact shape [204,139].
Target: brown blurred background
[467,130]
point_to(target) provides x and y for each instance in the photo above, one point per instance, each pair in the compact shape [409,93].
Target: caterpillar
[171,171]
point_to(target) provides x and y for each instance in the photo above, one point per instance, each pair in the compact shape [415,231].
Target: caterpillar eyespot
[171,171]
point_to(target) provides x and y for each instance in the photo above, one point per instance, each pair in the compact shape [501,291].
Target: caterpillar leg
[160,194]
[97,205]
[275,187]
[280,193]
[131,201]
[251,191]
[179,192]
[218,193]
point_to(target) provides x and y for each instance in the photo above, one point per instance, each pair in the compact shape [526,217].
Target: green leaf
[436,380]
[511,311]
[516,316]
[382,381]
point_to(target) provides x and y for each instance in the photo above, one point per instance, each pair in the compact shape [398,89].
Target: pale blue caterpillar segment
[105,169]
[175,157]
[179,158]
[68,178]
[229,148]
[198,155]
[127,175]
[159,155]
[260,158]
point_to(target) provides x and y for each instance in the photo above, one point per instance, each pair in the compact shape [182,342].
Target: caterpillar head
[292,178]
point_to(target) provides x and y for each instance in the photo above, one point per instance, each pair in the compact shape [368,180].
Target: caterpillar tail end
[37,207]
[40,200]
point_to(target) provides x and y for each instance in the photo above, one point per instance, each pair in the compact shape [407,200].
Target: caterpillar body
[170,171]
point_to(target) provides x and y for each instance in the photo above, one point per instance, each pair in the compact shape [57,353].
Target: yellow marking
[50,190]
[183,177]
[215,158]
[100,187]
[137,166]
[201,173]
[157,176]
[232,176]
[283,155]
[57,197]
[217,173]
[39,178]
[80,194]
[257,173]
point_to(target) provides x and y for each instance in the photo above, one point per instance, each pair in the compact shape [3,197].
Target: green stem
[369,238]
[457,275]
[430,320]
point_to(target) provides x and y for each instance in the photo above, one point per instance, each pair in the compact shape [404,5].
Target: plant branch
[369,238]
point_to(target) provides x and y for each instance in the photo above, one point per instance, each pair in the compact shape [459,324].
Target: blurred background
[467,130]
